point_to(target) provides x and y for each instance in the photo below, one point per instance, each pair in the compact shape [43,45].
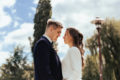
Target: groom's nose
[59,33]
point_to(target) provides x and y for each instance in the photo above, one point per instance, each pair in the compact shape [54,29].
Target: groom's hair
[55,24]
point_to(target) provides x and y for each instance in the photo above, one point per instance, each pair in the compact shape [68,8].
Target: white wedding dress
[72,65]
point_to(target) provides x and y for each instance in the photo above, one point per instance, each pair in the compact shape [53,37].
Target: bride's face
[67,37]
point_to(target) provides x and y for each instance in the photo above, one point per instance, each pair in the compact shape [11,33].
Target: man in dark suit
[46,61]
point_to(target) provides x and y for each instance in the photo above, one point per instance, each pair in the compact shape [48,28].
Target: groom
[46,61]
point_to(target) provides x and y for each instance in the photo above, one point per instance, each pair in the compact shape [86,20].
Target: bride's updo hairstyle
[77,40]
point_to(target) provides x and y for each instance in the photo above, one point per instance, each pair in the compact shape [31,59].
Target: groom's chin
[54,40]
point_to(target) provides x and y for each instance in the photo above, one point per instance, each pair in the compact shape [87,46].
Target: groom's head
[53,29]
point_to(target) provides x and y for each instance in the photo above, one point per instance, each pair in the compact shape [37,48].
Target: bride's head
[73,37]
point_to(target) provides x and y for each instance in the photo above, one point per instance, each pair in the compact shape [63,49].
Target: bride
[72,63]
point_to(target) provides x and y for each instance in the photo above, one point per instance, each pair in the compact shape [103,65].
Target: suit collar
[48,38]
[43,37]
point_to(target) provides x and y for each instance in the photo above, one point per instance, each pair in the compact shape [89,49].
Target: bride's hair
[77,41]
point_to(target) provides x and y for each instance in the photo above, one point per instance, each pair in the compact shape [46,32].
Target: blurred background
[23,22]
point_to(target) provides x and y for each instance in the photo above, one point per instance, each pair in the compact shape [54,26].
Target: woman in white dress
[72,63]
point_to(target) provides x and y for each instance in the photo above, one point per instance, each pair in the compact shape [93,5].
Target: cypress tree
[43,13]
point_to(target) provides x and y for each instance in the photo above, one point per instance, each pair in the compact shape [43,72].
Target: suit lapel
[48,42]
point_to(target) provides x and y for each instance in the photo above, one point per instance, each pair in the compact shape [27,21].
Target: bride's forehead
[67,32]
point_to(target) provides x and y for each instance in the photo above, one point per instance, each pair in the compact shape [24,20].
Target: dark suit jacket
[46,61]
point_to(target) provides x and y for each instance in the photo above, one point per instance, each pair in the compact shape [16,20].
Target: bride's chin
[64,42]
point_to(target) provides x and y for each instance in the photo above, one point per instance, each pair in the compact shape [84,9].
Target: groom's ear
[51,28]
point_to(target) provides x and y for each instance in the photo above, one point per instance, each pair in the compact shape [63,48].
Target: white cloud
[0,46]
[20,36]
[16,23]
[35,1]
[3,32]
[79,13]
[13,11]
[29,14]
[55,2]
[33,9]
[5,18]
[3,57]
[17,18]
[7,3]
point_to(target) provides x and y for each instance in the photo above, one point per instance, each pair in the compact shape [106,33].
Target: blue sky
[16,25]
[16,20]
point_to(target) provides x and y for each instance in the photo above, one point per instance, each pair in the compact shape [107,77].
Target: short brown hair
[55,24]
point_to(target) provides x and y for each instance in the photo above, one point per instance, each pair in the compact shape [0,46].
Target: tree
[90,72]
[29,72]
[43,13]
[111,46]
[16,67]
[110,41]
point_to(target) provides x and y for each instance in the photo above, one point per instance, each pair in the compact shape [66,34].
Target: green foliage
[108,73]
[90,71]
[110,41]
[43,13]
[15,67]
[111,46]
[91,44]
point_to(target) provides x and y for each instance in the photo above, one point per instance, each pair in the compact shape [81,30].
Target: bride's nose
[63,37]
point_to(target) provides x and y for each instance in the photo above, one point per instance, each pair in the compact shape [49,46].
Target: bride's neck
[70,44]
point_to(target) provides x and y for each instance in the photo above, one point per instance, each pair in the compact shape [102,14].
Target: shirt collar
[48,38]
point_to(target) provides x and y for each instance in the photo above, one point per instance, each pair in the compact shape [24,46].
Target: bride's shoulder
[72,49]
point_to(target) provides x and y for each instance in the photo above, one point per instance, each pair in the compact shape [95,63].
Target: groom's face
[56,33]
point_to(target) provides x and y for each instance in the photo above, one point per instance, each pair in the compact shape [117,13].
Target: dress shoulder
[73,50]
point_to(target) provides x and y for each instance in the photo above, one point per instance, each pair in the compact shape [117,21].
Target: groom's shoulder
[41,40]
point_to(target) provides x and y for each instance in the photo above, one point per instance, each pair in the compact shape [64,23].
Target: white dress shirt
[72,65]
